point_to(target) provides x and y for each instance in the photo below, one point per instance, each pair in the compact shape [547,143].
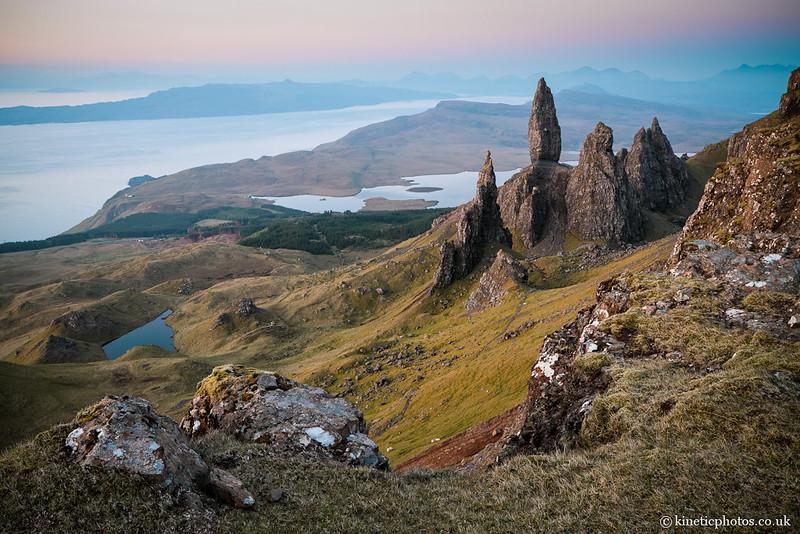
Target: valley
[582,347]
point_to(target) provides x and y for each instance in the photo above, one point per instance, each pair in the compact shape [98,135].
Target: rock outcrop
[657,176]
[544,132]
[601,204]
[493,284]
[87,326]
[600,199]
[478,224]
[294,419]
[571,369]
[768,261]
[126,434]
[532,201]
[790,101]
[57,349]
[757,190]
[743,242]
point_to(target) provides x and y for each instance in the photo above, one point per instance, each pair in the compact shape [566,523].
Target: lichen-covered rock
[263,407]
[559,397]
[492,286]
[228,489]
[601,204]
[757,189]
[478,224]
[748,261]
[126,434]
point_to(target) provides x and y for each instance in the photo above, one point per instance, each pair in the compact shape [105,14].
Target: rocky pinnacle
[478,224]
[544,133]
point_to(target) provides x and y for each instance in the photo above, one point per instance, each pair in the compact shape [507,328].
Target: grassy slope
[673,442]
[150,272]
[327,327]
[665,439]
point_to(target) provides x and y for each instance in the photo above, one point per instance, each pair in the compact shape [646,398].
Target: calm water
[52,176]
[156,332]
[451,190]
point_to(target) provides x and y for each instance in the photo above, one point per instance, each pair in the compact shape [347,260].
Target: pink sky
[508,35]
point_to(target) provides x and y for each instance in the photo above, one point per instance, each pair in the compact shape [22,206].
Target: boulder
[126,434]
[293,419]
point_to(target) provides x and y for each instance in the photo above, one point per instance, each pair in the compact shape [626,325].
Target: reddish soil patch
[452,451]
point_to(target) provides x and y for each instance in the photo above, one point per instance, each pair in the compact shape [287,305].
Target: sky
[310,40]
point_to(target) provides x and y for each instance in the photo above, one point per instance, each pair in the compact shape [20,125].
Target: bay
[52,176]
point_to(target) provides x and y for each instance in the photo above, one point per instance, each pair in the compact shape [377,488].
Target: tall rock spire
[478,224]
[544,133]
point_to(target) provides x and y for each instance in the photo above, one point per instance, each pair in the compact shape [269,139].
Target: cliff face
[601,203]
[478,224]
[757,190]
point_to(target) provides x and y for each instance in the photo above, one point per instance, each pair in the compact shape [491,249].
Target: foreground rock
[768,261]
[294,419]
[126,434]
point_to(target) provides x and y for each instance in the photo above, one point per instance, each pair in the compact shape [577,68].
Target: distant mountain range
[749,90]
[220,100]
[745,89]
